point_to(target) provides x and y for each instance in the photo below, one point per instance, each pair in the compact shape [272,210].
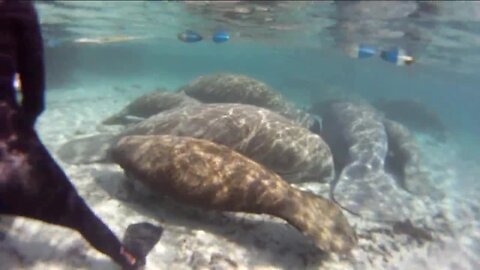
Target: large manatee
[204,174]
[235,88]
[356,135]
[268,138]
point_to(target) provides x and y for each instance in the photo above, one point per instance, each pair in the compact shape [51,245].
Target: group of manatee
[231,143]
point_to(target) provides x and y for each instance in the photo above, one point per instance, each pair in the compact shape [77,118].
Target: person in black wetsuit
[32,184]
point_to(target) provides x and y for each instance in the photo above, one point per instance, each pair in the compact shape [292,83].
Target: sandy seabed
[197,239]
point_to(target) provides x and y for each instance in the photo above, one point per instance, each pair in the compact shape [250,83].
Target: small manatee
[148,105]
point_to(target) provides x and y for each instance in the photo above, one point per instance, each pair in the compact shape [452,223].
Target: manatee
[288,149]
[148,105]
[235,88]
[359,143]
[404,161]
[415,116]
[211,176]
[291,151]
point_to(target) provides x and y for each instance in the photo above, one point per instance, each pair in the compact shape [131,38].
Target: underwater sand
[196,239]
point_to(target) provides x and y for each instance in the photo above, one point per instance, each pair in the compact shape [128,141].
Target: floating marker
[189,36]
[220,36]
[361,51]
[397,56]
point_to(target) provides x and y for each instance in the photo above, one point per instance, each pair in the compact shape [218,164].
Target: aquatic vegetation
[204,174]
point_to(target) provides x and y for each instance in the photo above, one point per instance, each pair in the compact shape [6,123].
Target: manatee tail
[140,238]
[87,150]
[372,194]
[317,218]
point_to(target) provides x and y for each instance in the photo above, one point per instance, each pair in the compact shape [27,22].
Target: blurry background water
[294,47]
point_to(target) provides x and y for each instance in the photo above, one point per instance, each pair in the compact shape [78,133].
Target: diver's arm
[31,63]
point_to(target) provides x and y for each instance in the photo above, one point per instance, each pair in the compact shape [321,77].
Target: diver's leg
[68,209]
[33,185]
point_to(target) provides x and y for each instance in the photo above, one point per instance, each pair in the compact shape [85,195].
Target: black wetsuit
[31,183]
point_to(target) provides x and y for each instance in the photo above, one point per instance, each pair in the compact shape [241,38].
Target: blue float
[220,36]
[397,56]
[360,51]
[189,36]
[365,51]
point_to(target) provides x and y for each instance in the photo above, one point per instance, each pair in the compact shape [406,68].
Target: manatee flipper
[150,104]
[140,238]
[86,150]
[132,119]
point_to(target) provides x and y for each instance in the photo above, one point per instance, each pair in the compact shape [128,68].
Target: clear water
[297,49]
[298,60]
